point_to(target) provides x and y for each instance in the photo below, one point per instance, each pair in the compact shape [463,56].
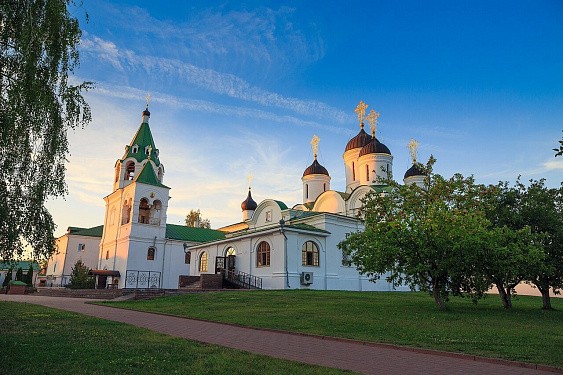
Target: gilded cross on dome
[361,111]
[413,147]
[372,120]
[249,178]
[315,145]
[148,98]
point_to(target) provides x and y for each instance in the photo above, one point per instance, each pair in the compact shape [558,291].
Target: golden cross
[413,147]
[315,145]
[361,111]
[249,177]
[148,98]
[372,120]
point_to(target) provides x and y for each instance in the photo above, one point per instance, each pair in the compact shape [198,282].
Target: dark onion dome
[414,171]
[374,147]
[359,140]
[146,112]
[248,204]
[315,168]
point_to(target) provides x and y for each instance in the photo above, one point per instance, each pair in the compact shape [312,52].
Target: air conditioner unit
[306,278]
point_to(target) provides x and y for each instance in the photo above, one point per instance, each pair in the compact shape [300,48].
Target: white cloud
[553,164]
[210,80]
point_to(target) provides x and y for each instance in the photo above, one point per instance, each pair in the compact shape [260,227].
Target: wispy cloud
[131,93]
[209,80]
[553,164]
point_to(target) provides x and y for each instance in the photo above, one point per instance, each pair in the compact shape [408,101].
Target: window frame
[151,253]
[203,262]
[263,254]
[310,254]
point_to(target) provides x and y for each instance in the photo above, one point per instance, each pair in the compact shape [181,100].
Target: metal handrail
[244,279]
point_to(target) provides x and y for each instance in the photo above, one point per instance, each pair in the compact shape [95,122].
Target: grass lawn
[39,340]
[525,333]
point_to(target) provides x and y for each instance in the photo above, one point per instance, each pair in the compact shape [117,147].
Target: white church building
[272,247]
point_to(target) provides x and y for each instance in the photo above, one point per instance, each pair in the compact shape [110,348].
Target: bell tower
[135,220]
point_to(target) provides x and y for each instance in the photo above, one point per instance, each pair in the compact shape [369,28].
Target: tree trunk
[505,296]
[546,299]
[438,297]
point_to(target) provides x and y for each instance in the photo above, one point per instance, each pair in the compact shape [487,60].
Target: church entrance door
[102,281]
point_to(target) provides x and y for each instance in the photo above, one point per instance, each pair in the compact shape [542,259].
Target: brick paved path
[343,354]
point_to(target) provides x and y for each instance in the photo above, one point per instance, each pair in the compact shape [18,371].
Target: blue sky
[241,87]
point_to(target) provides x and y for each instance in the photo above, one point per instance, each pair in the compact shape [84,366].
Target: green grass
[525,333]
[39,340]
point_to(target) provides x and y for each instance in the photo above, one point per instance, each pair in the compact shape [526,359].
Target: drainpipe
[282,223]
[163,257]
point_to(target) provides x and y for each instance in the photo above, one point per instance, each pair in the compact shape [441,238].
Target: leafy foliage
[38,105]
[29,275]
[195,220]
[8,278]
[19,274]
[541,209]
[79,278]
[559,151]
[428,238]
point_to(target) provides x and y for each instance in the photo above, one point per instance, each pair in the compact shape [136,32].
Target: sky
[241,87]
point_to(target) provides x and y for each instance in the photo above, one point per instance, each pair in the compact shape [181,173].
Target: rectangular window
[81,247]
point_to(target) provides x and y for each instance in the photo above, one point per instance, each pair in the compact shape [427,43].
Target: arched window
[324,186]
[310,254]
[263,254]
[367,173]
[130,171]
[353,172]
[230,251]
[203,262]
[307,191]
[135,149]
[144,211]
[150,253]
[159,174]
[188,257]
[107,256]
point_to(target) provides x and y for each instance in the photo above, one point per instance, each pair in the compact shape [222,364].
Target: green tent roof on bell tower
[143,139]
[147,176]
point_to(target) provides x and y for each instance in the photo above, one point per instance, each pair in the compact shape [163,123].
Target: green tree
[536,212]
[38,105]
[29,275]
[195,220]
[429,238]
[8,278]
[19,274]
[541,209]
[79,278]
[513,253]
[559,151]
[509,258]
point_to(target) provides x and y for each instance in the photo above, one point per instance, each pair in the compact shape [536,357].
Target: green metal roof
[281,205]
[23,264]
[307,227]
[381,188]
[89,232]
[344,196]
[142,138]
[185,233]
[147,176]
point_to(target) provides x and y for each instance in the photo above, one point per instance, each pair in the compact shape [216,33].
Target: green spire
[142,139]
[147,176]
